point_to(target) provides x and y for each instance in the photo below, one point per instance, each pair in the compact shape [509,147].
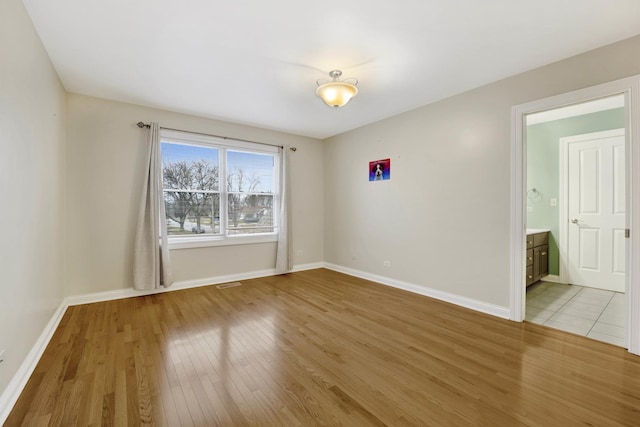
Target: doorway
[628,89]
[576,172]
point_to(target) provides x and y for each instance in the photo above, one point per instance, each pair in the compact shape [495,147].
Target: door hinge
[627,233]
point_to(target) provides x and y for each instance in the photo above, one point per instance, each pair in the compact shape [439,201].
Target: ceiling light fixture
[335,92]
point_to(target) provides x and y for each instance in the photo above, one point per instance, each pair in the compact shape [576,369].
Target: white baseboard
[19,380]
[483,307]
[176,286]
[11,394]
[304,267]
[186,284]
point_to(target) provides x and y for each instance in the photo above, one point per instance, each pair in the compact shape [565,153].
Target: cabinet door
[530,275]
[529,257]
[536,264]
[544,260]
[529,241]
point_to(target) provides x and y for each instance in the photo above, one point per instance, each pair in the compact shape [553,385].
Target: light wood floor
[319,348]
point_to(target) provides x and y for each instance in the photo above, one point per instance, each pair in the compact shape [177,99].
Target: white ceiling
[256,62]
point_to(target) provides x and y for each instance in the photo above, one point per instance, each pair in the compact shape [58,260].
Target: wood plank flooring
[319,348]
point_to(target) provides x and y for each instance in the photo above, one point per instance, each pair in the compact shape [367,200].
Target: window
[218,192]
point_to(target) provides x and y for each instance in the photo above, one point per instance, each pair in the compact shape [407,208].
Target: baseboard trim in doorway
[11,394]
[483,307]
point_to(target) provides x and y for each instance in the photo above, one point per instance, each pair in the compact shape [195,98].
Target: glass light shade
[336,94]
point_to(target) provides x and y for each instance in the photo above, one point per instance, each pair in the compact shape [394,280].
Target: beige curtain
[284,254]
[151,264]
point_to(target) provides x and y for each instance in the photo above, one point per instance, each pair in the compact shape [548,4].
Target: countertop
[537,230]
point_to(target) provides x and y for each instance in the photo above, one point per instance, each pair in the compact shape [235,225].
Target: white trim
[310,266]
[632,128]
[473,304]
[630,87]
[11,394]
[223,146]
[19,380]
[604,104]
[176,243]
[563,194]
[186,284]
[483,307]
[518,231]
[563,207]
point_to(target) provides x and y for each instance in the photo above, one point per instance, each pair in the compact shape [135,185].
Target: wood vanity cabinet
[537,256]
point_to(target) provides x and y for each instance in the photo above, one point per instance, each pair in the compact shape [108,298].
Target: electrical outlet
[529,208]
[299,252]
[387,263]
[1,356]
[553,202]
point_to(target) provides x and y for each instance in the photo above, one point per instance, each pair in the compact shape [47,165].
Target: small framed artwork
[380,170]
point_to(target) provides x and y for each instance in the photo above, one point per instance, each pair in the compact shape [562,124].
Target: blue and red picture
[380,170]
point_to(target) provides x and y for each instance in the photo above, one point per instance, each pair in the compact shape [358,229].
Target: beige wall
[32,118]
[105,167]
[443,218]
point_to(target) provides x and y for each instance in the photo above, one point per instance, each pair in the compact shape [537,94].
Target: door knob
[574,220]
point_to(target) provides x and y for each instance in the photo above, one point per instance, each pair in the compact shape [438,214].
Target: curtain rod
[145,125]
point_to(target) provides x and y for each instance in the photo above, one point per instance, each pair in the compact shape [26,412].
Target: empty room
[411,213]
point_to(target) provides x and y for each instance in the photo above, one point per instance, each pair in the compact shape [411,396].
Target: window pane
[250,172]
[194,189]
[189,167]
[250,214]
[192,213]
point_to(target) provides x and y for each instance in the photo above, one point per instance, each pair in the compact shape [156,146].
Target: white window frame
[200,241]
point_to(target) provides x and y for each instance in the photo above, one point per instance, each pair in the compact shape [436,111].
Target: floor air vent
[228,285]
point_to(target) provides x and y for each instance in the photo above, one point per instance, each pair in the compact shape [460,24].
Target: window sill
[203,242]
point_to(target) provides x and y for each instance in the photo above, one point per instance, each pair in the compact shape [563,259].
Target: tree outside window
[193,192]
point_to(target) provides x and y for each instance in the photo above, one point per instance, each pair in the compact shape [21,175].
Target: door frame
[630,87]
[563,193]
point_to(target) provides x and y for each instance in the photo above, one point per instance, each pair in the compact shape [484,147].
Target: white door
[596,210]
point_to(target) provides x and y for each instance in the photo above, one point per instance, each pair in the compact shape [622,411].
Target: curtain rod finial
[142,125]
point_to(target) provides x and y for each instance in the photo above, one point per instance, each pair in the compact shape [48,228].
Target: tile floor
[594,313]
